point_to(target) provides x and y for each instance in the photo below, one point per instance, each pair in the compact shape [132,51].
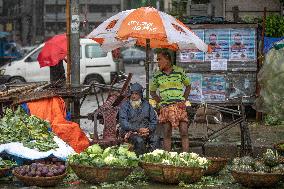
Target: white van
[95,66]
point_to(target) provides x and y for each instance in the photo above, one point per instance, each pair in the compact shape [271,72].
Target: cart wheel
[94,80]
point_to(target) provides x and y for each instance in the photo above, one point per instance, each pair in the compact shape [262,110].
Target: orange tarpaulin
[53,110]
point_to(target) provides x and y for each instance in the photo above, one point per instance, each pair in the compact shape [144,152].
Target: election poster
[214,88]
[196,87]
[218,39]
[242,44]
[193,55]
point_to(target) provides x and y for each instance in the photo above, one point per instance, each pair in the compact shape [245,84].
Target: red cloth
[54,50]
[53,110]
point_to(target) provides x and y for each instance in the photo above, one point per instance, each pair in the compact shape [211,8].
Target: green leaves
[6,163]
[31,131]
[274,26]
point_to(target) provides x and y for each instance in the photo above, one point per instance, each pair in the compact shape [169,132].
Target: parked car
[133,56]
[27,49]
[95,66]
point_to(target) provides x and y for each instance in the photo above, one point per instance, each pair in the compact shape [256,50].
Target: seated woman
[138,121]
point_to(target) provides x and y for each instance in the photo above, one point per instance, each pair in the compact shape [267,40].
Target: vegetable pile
[41,170]
[6,163]
[112,156]
[173,158]
[31,131]
[267,164]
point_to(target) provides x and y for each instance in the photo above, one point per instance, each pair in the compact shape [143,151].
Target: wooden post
[260,62]
[68,31]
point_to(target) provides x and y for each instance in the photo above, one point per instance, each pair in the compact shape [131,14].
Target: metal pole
[68,31]
[148,62]
[75,43]
[75,53]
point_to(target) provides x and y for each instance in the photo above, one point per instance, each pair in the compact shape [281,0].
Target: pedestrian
[57,74]
[170,82]
[138,121]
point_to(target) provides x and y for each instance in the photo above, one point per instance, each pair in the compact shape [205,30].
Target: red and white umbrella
[135,26]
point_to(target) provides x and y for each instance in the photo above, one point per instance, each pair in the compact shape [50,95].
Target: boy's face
[163,62]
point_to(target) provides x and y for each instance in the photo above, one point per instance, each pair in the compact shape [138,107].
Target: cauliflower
[183,154]
[157,152]
[193,155]
[202,161]
[173,154]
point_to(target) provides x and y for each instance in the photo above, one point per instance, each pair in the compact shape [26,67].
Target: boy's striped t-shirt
[170,86]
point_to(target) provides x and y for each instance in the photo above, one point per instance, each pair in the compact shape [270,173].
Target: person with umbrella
[138,121]
[170,82]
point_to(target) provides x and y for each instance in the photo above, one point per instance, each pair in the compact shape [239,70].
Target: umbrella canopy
[54,50]
[135,26]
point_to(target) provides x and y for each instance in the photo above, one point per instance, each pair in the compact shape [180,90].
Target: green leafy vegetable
[6,163]
[31,131]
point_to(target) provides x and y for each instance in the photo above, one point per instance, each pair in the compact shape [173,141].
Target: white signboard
[75,24]
[219,64]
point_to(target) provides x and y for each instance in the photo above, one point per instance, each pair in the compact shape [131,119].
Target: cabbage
[94,149]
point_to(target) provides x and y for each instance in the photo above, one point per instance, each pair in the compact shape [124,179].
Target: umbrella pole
[148,62]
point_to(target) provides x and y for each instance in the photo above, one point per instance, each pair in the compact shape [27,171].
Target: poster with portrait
[214,88]
[218,39]
[242,44]
[193,55]
[196,87]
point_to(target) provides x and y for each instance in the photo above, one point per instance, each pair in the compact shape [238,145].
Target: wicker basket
[172,174]
[4,171]
[217,164]
[153,171]
[40,181]
[252,179]
[102,174]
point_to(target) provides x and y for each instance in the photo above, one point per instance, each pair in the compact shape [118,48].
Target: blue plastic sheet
[269,42]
